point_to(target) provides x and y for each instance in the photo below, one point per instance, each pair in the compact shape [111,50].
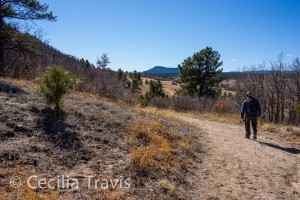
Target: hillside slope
[91,138]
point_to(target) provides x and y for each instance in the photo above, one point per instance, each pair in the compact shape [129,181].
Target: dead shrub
[268,127]
[160,102]
[222,106]
[142,158]
[185,103]
[189,103]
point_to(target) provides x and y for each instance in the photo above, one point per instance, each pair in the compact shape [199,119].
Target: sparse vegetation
[24,192]
[157,149]
[155,90]
[151,148]
[54,84]
[158,153]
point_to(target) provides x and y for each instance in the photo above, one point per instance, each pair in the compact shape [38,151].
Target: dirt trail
[238,168]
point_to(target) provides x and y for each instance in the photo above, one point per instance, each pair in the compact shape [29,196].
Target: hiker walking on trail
[251,109]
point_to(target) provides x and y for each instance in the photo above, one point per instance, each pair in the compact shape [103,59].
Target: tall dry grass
[153,147]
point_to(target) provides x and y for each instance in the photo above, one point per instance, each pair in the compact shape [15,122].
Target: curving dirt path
[238,168]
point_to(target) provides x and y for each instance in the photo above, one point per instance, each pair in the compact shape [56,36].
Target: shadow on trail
[288,150]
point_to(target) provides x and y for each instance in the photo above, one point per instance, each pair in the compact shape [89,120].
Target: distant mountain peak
[162,69]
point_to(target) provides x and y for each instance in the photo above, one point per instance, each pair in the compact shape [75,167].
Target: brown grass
[169,88]
[184,144]
[287,132]
[24,192]
[167,185]
[269,127]
[21,83]
[173,115]
[153,148]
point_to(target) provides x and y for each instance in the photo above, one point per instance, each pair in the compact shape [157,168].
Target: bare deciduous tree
[103,61]
[277,88]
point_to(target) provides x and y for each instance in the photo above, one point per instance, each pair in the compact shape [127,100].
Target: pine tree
[18,10]
[136,80]
[54,84]
[199,74]
[156,89]
[120,74]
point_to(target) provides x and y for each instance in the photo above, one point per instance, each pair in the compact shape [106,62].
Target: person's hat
[249,94]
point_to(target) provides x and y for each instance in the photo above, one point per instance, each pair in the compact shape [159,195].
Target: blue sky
[140,34]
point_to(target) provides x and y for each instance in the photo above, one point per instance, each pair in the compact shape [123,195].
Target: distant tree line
[278,90]
[132,80]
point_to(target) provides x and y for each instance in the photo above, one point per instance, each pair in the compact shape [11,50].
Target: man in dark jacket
[251,109]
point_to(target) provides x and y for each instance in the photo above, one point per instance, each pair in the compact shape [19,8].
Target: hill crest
[161,69]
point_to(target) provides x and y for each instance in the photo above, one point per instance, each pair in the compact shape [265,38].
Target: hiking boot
[247,136]
[254,137]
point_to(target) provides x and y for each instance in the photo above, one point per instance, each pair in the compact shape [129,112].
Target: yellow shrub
[184,144]
[140,132]
[155,152]
[164,148]
[142,158]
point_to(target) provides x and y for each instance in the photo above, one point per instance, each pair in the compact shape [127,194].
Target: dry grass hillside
[169,88]
[113,151]
[94,138]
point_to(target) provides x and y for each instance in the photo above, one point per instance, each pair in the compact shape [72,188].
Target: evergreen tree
[136,78]
[54,84]
[82,62]
[87,64]
[199,74]
[120,74]
[134,85]
[156,89]
[18,10]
